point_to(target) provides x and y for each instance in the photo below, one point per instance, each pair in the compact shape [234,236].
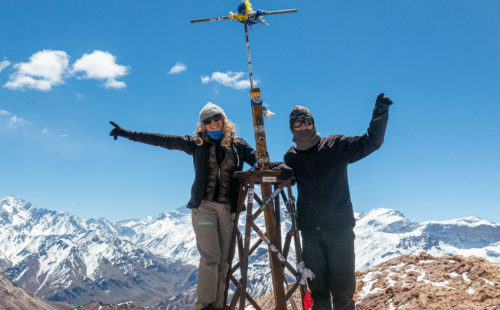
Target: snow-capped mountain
[61,257]
[382,234]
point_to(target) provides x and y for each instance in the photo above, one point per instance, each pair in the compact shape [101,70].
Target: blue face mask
[215,135]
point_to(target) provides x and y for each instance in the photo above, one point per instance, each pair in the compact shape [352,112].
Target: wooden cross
[255,94]
[262,155]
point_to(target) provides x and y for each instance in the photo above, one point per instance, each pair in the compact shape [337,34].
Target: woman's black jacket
[243,153]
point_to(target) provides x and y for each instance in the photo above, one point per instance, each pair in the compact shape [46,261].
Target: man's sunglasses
[215,118]
[298,122]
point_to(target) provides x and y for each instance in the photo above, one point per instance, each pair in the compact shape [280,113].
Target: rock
[100,306]
[424,282]
[13,297]
[455,281]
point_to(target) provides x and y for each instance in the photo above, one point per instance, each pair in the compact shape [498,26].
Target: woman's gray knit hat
[299,112]
[210,110]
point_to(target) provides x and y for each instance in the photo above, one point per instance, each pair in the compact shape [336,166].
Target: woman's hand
[118,131]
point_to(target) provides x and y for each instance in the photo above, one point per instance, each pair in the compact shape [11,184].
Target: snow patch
[464,276]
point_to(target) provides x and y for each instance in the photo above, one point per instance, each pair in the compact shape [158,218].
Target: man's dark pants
[330,255]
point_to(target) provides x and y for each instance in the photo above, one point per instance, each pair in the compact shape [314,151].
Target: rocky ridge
[423,282]
[427,282]
[13,297]
[101,306]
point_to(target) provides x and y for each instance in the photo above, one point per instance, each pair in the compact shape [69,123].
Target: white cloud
[101,65]
[45,131]
[79,95]
[64,135]
[13,121]
[4,64]
[229,79]
[44,70]
[178,68]
[114,84]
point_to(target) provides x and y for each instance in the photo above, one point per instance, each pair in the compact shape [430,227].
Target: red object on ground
[308,301]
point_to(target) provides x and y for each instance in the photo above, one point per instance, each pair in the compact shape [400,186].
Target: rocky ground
[13,297]
[100,306]
[424,282]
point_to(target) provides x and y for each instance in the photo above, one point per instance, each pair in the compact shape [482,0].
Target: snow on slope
[382,234]
[48,252]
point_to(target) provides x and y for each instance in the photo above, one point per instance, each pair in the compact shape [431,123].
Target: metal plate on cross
[268,179]
[260,129]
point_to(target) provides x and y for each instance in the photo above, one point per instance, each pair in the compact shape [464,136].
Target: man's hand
[383,101]
[382,104]
[286,172]
[118,131]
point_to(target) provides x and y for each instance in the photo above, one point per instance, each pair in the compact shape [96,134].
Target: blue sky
[68,67]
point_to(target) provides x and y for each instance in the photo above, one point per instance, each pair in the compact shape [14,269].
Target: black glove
[118,131]
[286,172]
[382,104]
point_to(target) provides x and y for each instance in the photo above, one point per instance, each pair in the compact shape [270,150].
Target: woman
[217,153]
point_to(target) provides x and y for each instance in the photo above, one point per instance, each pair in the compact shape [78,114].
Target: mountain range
[153,261]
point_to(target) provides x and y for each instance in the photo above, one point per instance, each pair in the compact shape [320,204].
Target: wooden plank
[277,214]
[288,295]
[246,248]
[236,295]
[236,235]
[254,247]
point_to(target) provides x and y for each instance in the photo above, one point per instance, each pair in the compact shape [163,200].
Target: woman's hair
[228,129]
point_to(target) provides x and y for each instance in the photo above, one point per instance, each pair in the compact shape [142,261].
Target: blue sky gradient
[113,60]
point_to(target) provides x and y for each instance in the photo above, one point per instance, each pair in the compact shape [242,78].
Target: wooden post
[271,226]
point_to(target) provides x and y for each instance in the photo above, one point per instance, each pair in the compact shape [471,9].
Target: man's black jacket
[243,153]
[323,200]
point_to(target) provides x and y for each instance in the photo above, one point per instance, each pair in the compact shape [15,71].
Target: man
[325,215]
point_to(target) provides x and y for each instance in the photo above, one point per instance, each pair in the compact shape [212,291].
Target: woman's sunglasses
[215,118]
[298,122]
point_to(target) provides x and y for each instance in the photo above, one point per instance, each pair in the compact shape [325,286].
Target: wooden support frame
[256,206]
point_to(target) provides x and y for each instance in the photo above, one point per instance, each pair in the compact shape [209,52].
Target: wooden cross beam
[212,19]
